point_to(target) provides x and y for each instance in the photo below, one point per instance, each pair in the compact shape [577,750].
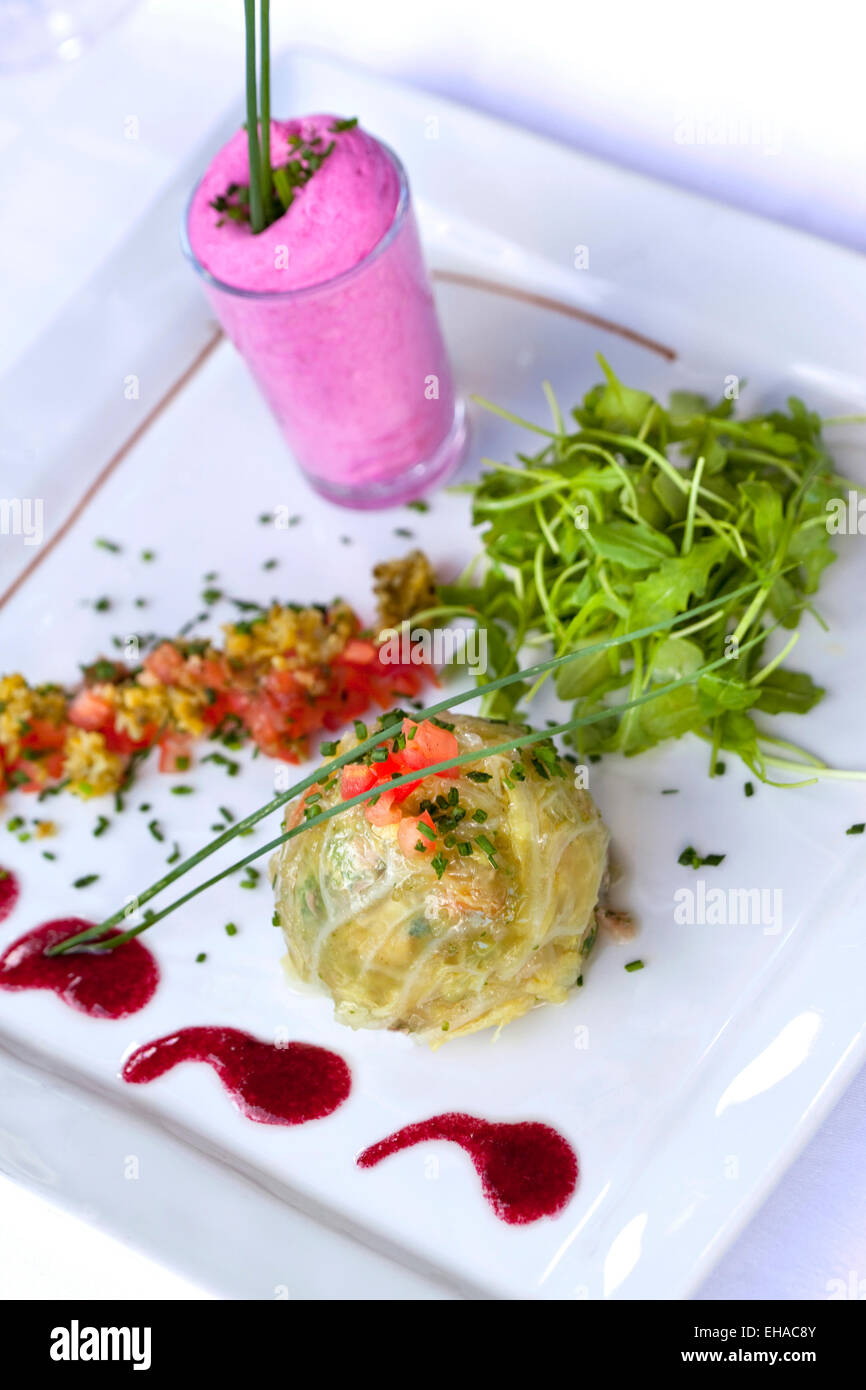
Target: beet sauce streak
[274,1085]
[104,984]
[527,1170]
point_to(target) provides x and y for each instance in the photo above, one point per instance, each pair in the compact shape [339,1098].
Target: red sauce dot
[271,1083]
[104,984]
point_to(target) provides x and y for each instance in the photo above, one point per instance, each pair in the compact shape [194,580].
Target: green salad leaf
[633,513]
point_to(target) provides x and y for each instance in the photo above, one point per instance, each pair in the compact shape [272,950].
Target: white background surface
[751,103]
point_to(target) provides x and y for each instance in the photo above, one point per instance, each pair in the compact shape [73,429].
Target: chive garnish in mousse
[368,746]
[272,188]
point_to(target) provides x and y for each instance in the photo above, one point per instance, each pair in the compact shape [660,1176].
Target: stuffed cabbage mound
[454,906]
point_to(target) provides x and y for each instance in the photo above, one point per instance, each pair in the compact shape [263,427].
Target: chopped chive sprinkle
[202,956]
[635,965]
[101,826]
[489,849]
[440,864]
[103,544]
[155,830]
[749,789]
[231,929]
[856,829]
[479,776]
[231,766]
[182,790]
[690,859]
[86,881]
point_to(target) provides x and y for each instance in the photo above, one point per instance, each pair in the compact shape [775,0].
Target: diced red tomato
[428,744]
[166,663]
[356,778]
[174,752]
[118,741]
[89,711]
[43,734]
[358,652]
[412,841]
[384,811]
[213,672]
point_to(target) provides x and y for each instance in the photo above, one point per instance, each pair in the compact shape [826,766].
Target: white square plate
[685,1088]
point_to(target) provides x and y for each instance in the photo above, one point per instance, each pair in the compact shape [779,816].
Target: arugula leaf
[633,517]
[634,547]
[675,582]
[791,692]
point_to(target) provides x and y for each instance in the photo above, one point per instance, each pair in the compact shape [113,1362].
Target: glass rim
[321,286]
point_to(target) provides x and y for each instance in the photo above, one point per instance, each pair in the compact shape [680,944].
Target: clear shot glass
[354,369]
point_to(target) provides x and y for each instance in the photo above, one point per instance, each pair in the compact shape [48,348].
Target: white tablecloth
[756,103]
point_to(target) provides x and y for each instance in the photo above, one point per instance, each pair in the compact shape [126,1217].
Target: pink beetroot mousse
[335,317]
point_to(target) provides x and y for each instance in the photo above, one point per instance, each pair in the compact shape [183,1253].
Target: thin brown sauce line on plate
[557,306]
[117,458]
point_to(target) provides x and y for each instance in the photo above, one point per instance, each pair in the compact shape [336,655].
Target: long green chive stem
[352,754]
[265,99]
[257,220]
[91,935]
[839,774]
